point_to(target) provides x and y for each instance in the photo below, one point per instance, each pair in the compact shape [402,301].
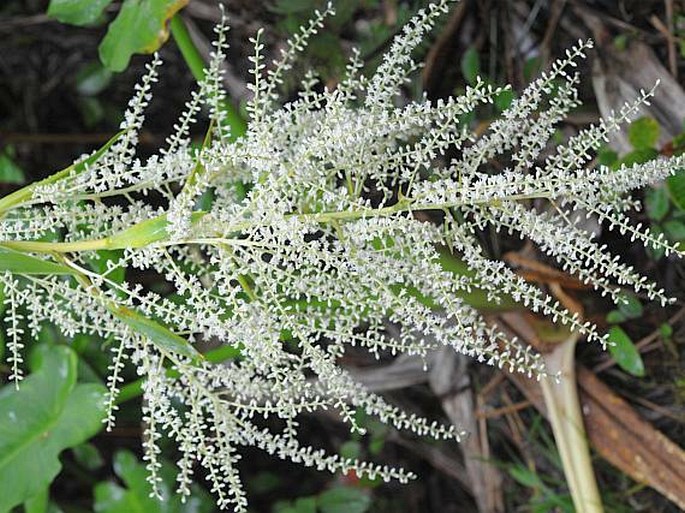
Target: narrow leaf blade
[16,262]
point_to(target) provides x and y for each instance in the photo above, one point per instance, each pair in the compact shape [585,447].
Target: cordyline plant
[323,251]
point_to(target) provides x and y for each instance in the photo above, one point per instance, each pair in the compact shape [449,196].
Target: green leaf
[92,79]
[305,505]
[643,133]
[146,232]
[666,330]
[624,352]
[615,317]
[88,456]
[656,252]
[376,445]
[676,188]
[504,99]
[639,156]
[470,65]
[9,171]
[38,503]
[2,309]
[531,68]
[656,203]
[621,42]
[678,144]
[607,157]
[159,335]
[135,497]
[100,266]
[675,230]
[350,449]
[344,500]
[477,297]
[77,12]
[140,27]
[92,110]
[630,306]
[526,477]
[47,414]
[20,263]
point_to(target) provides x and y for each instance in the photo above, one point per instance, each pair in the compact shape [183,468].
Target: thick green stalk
[563,407]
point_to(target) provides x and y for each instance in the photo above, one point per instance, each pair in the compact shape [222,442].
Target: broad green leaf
[643,133]
[281,507]
[300,505]
[624,352]
[77,12]
[135,496]
[20,263]
[676,188]
[344,500]
[325,48]
[470,65]
[47,414]
[38,503]
[159,335]
[140,27]
[656,203]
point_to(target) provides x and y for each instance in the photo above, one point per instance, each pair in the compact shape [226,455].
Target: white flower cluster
[324,248]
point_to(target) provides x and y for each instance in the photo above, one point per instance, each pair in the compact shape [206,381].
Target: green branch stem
[153,231]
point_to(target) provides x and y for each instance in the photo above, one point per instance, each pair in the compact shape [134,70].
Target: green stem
[188,49]
[57,247]
[153,230]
